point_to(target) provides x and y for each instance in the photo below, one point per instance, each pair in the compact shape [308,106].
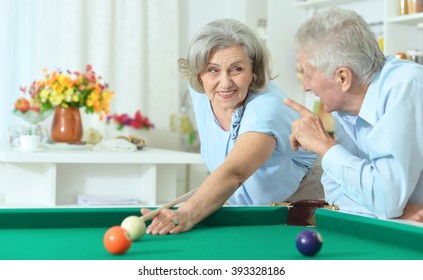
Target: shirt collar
[368,108]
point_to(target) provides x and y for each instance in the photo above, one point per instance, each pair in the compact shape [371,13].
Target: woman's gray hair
[221,34]
[337,38]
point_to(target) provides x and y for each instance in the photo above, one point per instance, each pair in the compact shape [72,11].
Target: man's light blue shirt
[278,178]
[377,167]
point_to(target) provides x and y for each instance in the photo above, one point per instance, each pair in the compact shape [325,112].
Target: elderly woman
[243,124]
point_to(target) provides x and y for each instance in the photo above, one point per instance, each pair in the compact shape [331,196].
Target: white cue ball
[135,227]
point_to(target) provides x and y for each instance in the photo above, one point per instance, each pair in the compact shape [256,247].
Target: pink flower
[138,121]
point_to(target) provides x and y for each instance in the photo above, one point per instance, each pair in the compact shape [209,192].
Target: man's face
[327,89]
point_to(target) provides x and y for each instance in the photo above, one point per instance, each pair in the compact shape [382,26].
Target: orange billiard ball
[116,240]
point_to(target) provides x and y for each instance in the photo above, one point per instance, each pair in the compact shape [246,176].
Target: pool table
[232,233]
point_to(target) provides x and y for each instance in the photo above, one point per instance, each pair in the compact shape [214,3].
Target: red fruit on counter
[22,104]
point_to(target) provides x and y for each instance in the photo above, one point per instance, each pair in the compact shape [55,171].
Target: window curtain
[132,44]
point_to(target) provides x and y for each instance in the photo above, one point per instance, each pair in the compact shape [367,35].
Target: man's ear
[344,77]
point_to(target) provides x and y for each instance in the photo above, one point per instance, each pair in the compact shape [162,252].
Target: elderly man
[374,165]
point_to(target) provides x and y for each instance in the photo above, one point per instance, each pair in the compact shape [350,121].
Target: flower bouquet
[65,93]
[66,89]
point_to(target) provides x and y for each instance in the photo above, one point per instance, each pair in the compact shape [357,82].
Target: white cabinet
[52,178]
[401,33]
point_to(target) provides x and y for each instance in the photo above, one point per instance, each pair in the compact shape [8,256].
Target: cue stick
[170,204]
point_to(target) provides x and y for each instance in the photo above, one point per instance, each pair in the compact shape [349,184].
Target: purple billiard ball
[309,242]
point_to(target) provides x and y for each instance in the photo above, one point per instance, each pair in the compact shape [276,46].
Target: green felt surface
[232,233]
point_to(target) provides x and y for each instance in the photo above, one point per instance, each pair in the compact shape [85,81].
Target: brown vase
[67,125]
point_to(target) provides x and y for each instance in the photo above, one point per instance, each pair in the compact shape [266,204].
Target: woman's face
[227,77]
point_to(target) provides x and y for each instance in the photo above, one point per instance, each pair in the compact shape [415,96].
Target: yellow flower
[89,103]
[56,98]
[68,95]
[75,97]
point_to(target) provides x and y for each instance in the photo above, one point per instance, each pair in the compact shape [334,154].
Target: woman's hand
[168,222]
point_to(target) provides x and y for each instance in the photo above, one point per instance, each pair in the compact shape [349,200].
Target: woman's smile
[226,94]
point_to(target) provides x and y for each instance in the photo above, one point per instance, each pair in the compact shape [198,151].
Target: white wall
[200,12]
[283,20]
